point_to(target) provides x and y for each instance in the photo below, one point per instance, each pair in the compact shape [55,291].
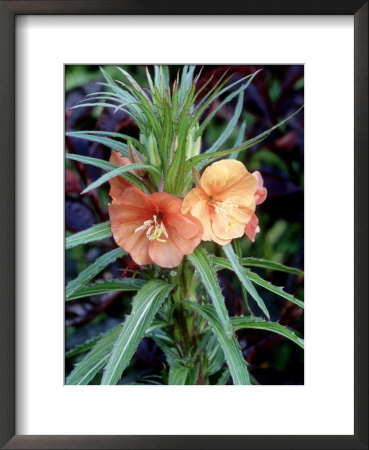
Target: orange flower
[118,184]
[152,228]
[252,227]
[224,202]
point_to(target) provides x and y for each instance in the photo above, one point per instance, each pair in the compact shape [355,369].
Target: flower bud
[173,149]
[153,152]
[134,156]
[193,146]
[154,158]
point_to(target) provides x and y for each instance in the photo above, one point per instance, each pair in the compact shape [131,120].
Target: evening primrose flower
[252,227]
[152,228]
[224,202]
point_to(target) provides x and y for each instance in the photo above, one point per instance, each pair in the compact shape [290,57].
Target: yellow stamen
[154,229]
[225,209]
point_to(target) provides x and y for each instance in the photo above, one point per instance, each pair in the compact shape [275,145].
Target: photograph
[184,224]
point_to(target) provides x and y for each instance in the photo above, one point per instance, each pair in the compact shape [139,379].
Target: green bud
[154,158]
[193,147]
[153,152]
[173,149]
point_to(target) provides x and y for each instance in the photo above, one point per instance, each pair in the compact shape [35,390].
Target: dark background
[275,93]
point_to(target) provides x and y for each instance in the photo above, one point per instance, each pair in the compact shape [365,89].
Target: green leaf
[95,360]
[209,118]
[102,164]
[202,263]
[111,134]
[193,373]
[110,143]
[266,264]
[224,377]
[175,176]
[230,126]
[243,322]
[215,356]
[202,160]
[82,348]
[87,274]
[239,139]
[102,287]
[209,97]
[165,343]
[95,233]
[232,352]
[277,290]
[238,251]
[178,374]
[119,171]
[144,307]
[167,136]
[221,262]
[108,166]
[242,276]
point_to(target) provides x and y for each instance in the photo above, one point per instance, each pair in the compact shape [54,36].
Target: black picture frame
[8,12]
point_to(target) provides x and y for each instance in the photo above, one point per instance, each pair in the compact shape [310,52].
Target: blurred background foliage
[275,93]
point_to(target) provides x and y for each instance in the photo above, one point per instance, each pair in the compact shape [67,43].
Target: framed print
[143,95]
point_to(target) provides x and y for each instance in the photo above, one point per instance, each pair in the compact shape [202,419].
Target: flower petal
[165,254]
[184,224]
[195,195]
[137,199]
[125,235]
[241,191]
[186,232]
[225,229]
[261,192]
[252,227]
[166,203]
[222,175]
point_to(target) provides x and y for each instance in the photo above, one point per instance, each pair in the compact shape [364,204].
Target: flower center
[225,209]
[155,230]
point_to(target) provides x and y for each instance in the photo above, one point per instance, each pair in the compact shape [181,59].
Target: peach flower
[252,227]
[152,228]
[224,202]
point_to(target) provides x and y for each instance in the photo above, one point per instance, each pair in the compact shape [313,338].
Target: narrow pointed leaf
[202,263]
[94,233]
[209,118]
[230,126]
[82,348]
[91,271]
[102,287]
[239,139]
[242,276]
[108,142]
[221,262]
[202,160]
[266,264]
[108,134]
[108,166]
[277,290]
[232,351]
[243,322]
[178,374]
[102,164]
[145,305]
[95,360]
[224,377]
[122,171]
